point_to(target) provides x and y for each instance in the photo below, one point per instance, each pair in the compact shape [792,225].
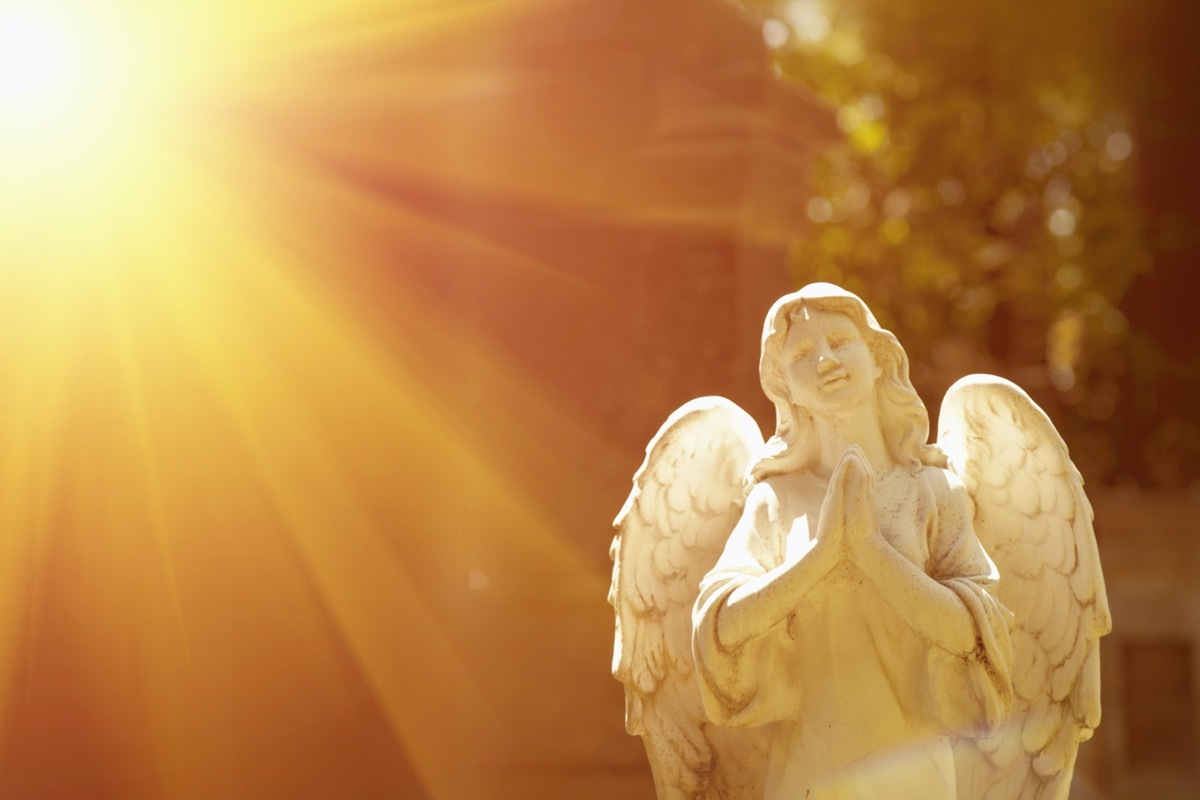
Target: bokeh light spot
[1008,210]
[869,137]
[895,231]
[1055,153]
[820,210]
[872,106]
[1057,192]
[1069,277]
[775,33]
[846,48]
[808,20]
[850,118]
[951,191]
[1119,146]
[897,204]
[857,196]
[1061,222]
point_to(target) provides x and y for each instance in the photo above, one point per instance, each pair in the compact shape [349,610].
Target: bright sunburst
[79,86]
[34,56]
[207,457]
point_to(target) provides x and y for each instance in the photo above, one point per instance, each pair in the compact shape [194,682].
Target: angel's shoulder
[763,500]
[945,487]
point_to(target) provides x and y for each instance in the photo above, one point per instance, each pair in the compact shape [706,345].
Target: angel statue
[846,612]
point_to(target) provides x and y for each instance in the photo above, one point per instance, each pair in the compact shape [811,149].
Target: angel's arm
[924,601]
[953,609]
[737,676]
[761,601]
[931,609]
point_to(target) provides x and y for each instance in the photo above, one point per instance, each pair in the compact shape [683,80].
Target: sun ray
[189,378]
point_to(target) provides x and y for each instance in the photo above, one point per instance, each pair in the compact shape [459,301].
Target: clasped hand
[848,522]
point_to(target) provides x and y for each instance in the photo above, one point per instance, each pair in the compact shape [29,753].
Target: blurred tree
[982,200]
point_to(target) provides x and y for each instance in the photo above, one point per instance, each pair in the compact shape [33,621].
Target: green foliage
[982,198]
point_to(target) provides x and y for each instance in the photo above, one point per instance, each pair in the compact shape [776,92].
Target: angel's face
[827,363]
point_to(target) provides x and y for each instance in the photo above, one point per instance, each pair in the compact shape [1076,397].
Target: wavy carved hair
[903,417]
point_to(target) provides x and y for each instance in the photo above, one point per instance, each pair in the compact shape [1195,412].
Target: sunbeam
[239,505]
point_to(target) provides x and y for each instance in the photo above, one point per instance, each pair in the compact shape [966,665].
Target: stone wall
[1149,742]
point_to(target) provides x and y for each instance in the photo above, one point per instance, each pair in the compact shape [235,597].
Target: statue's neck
[836,432]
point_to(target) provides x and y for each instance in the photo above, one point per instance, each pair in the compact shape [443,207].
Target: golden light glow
[33,55]
[235,501]
[77,96]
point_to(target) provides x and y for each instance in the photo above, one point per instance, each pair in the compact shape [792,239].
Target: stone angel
[846,612]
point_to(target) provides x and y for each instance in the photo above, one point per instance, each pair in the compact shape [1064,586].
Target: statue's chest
[905,518]
[901,517]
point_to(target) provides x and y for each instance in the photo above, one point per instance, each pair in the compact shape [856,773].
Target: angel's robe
[860,705]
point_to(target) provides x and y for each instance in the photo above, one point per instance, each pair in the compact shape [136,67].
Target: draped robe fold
[860,705]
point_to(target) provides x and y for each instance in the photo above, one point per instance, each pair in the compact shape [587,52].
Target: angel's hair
[903,417]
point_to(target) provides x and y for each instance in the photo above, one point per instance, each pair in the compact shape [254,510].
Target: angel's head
[902,416]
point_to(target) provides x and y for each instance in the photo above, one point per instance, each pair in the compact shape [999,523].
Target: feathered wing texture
[686,499]
[1035,521]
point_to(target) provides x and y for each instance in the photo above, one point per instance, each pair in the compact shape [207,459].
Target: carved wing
[1035,521]
[686,499]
